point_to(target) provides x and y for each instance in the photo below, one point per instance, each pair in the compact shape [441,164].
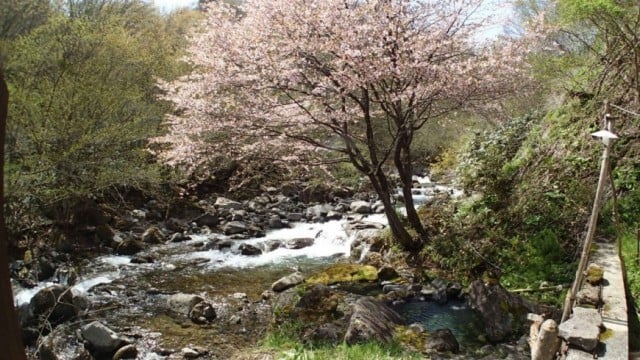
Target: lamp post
[607,138]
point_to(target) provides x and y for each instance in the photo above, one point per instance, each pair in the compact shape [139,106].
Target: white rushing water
[330,239]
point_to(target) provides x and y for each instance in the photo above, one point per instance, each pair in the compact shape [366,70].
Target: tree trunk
[402,160]
[11,340]
[406,241]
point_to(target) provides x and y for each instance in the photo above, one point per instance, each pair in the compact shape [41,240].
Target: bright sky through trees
[501,9]
[170,5]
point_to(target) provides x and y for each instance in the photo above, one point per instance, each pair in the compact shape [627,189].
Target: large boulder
[503,313]
[372,321]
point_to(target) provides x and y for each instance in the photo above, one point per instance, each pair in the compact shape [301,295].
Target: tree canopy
[298,79]
[84,99]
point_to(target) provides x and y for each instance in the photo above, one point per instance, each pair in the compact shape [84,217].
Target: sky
[169,5]
[500,9]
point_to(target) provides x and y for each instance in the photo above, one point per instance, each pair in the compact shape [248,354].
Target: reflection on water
[454,315]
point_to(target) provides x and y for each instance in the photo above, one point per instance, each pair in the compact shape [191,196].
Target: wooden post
[547,342]
[584,257]
[11,336]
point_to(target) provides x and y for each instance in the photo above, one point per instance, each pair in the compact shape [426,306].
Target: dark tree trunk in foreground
[10,334]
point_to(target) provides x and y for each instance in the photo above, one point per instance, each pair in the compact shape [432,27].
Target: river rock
[318,212]
[208,219]
[126,352]
[502,312]
[179,237]
[129,247]
[360,207]
[202,312]
[182,303]
[55,302]
[287,282]
[234,227]
[176,225]
[100,338]
[327,333]
[105,233]
[318,305]
[227,204]
[364,241]
[294,216]
[62,344]
[582,329]
[275,222]
[299,243]
[66,275]
[442,340]
[249,250]
[153,235]
[387,273]
[271,245]
[142,259]
[372,321]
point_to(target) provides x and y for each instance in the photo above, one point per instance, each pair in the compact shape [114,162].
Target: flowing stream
[124,291]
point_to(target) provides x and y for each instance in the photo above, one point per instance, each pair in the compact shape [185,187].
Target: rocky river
[208,286]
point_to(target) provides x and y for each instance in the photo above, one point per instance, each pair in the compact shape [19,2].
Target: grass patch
[632,266]
[287,346]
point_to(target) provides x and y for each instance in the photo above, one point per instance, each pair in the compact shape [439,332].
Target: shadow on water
[454,315]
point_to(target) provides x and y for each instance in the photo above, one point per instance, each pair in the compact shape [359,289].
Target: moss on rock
[340,273]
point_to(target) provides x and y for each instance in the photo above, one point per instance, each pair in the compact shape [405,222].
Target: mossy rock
[594,274]
[341,273]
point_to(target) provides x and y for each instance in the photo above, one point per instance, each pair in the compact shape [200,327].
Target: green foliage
[83,102]
[578,10]
[631,257]
[285,341]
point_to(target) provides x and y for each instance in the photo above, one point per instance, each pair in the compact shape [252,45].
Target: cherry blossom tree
[301,78]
